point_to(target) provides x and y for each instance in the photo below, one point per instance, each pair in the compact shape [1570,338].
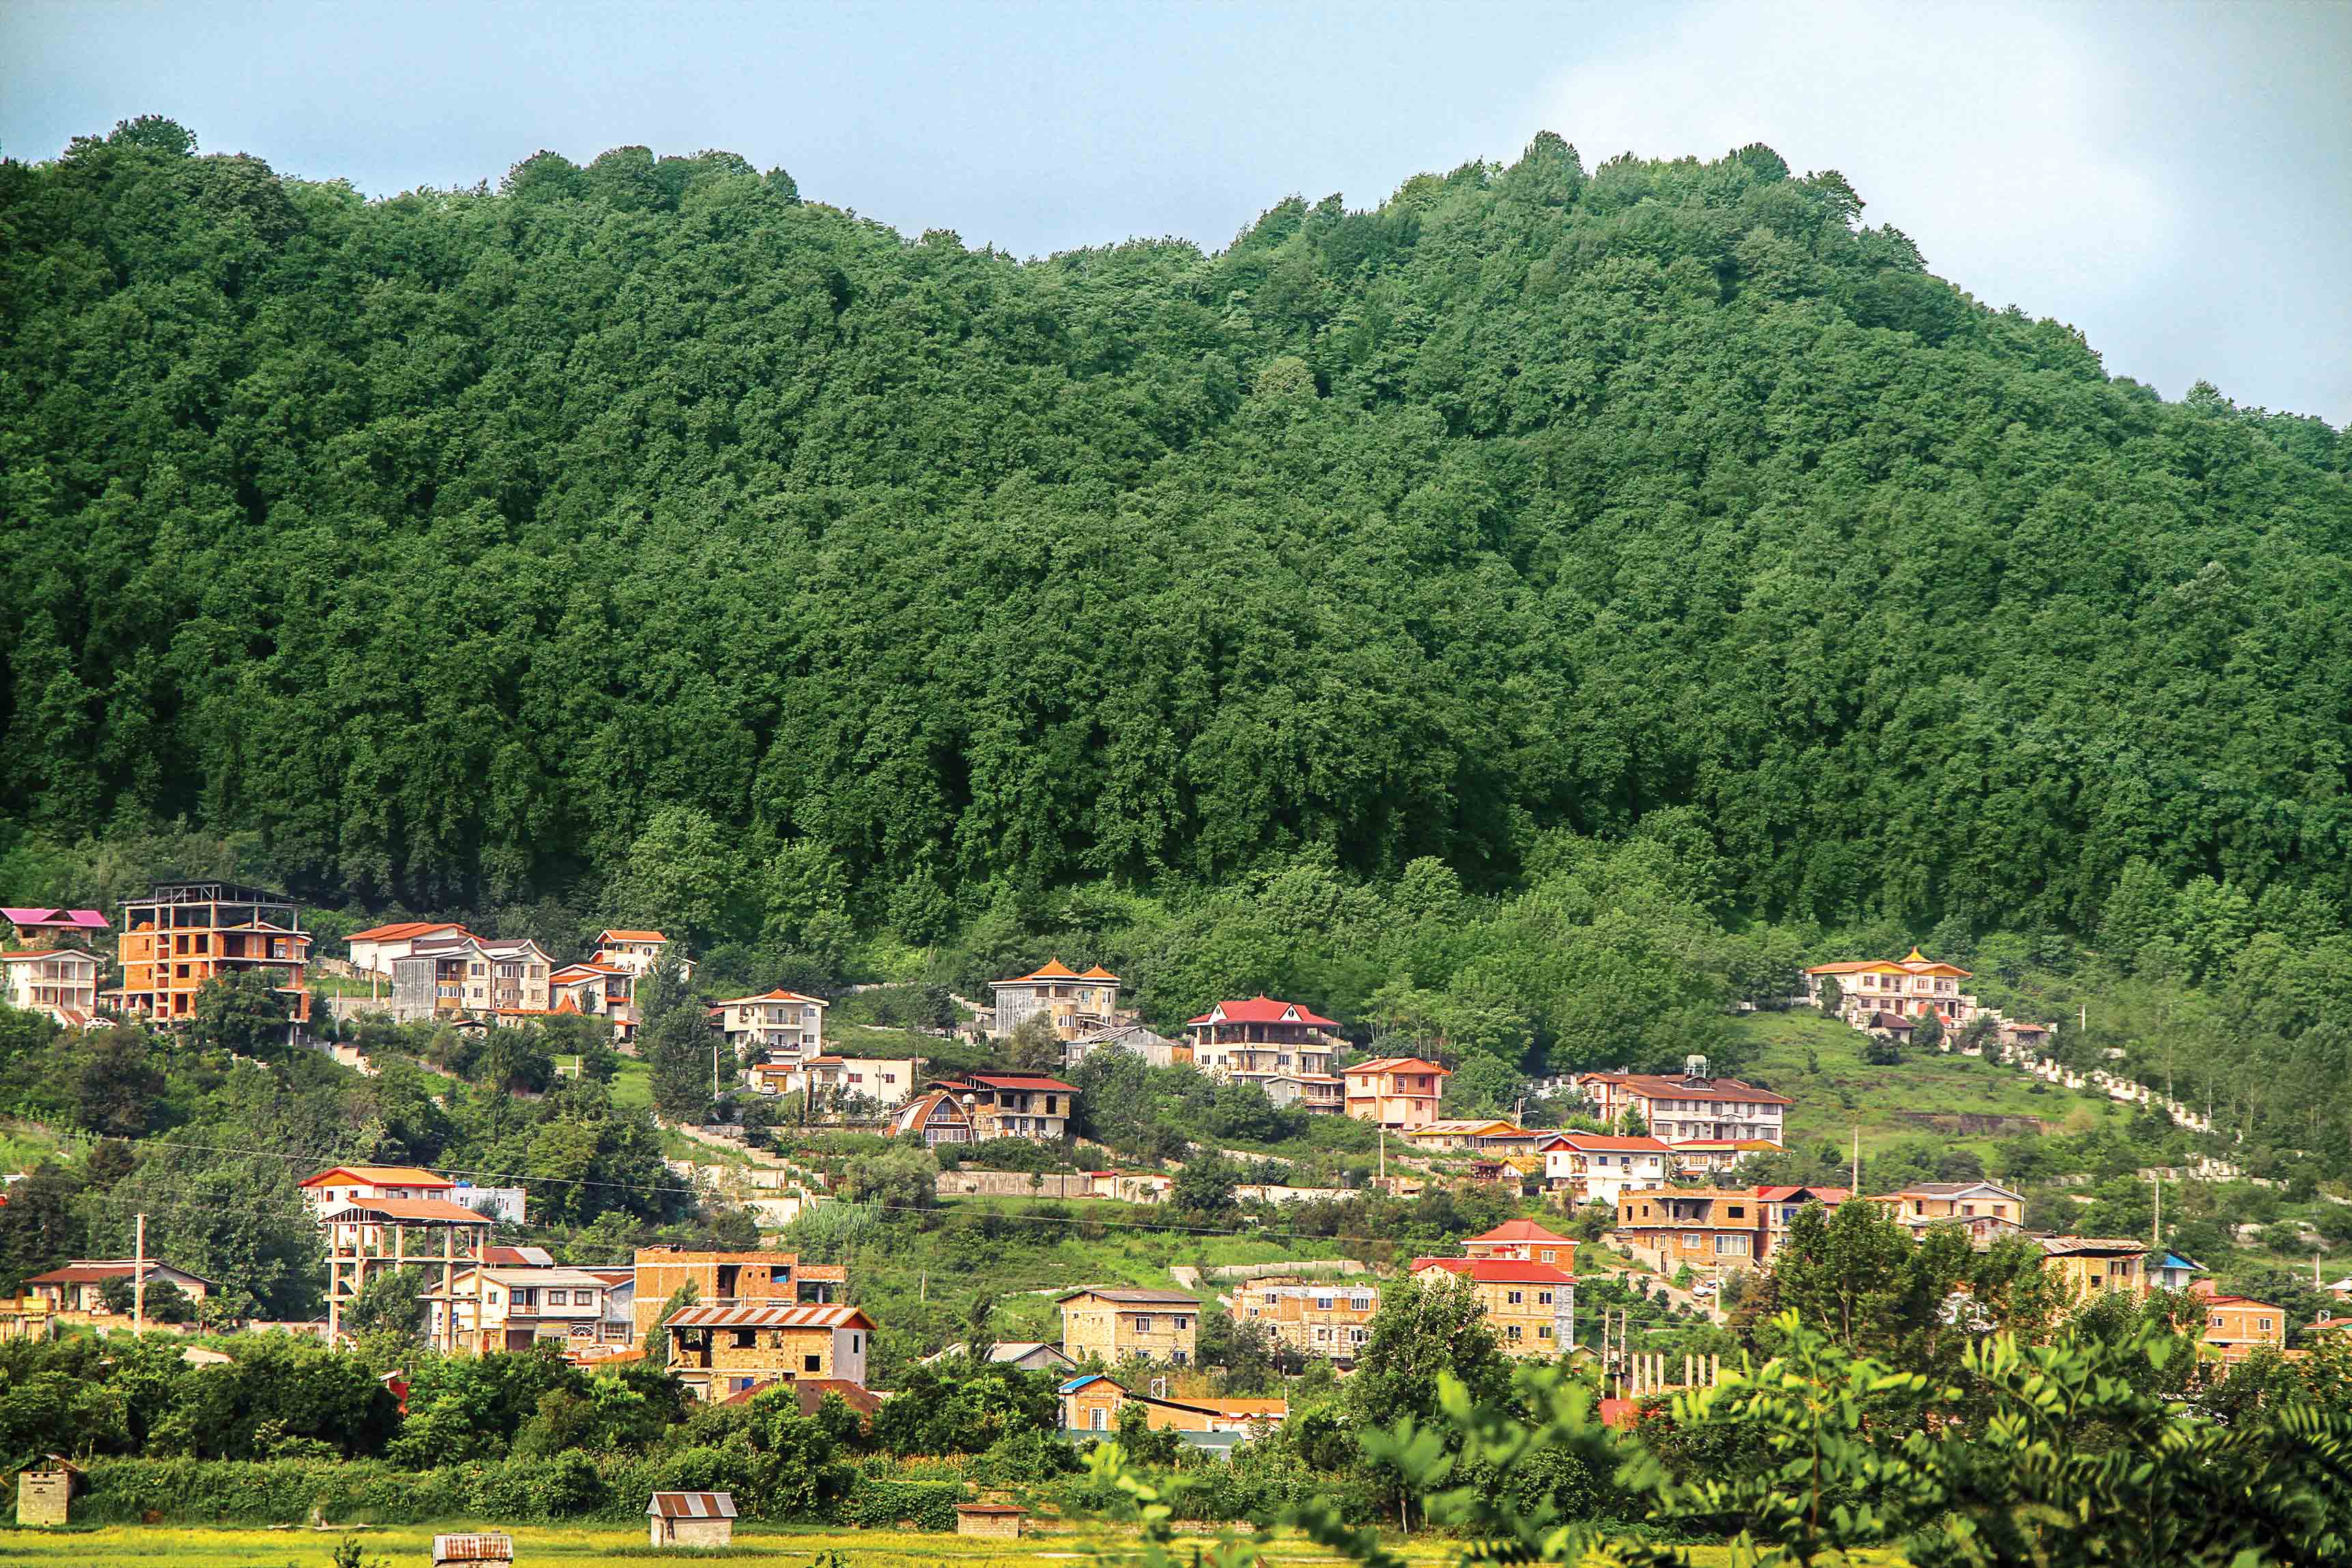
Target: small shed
[1000,1520]
[691,1519]
[45,1496]
[461,1550]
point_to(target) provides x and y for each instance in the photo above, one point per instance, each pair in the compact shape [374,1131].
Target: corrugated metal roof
[759,1316]
[692,1505]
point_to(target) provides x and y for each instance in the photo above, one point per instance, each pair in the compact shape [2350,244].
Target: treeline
[645,536]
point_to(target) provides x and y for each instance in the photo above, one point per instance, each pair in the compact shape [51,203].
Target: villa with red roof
[1525,1240]
[635,953]
[1696,1106]
[373,949]
[598,990]
[1600,1168]
[1006,1105]
[1284,1047]
[1400,1093]
[1074,1003]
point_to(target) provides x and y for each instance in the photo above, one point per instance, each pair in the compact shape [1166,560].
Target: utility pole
[138,1277]
[1384,1154]
[2155,1226]
[1857,1159]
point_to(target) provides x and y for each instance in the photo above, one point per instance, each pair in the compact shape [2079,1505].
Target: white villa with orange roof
[1907,987]
[636,952]
[597,990]
[1076,1003]
[781,1025]
[1401,1092]
[1696,1106]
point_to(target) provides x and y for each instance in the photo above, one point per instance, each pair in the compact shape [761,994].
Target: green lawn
[1817,1063]
[632,1088]
[596,1546]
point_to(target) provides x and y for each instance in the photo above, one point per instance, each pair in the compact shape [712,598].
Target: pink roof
[78,919]
[1829,1195]
[1263,1009]
[1397,1064]
[1499,1271]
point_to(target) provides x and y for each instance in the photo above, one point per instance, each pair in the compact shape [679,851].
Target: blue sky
[2175,180]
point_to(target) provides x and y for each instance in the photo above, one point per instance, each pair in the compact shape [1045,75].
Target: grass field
[1817,1062]
[591,1547]
[598,1545]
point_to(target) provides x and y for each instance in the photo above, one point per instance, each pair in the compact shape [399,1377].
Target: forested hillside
[468,549]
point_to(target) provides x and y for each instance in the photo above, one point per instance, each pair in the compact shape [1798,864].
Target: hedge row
[570,1486]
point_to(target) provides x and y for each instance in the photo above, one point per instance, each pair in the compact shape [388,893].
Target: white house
[781,1025]
[1597,1167]
[61,981]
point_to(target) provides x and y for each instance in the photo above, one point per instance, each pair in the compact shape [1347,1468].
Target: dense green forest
[478,547]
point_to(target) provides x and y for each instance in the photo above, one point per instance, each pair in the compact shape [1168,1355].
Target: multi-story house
[1074,1003]
[1707,1228]
[1697,1105]
[39,927]
[780,1025]
[1523,1240]
[1113,1323]
[1014,1104]
[1906,987]
[597,990]
[762,1277]
[1157,1050]
[1400,1093]
[338,1186]
[373,950]
[2235,1327]
[1600,1168]
[1531,1306]
[512,1307]
[1097,1402]
[59,981]
[1986,1209]
[2093,1266]
[183,934]
[465,975]
[1282,1046]
[837,1084]
[1330,1318]
[721,1348]
[1463,1136]
[636,952]
[393,1217]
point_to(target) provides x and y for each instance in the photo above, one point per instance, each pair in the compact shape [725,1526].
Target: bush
[876,1504]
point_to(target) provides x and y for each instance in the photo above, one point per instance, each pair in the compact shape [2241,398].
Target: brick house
[719,1348]
[1531,1306]
[1330,1318]
[1694,1105]
[1014,1104]
[1709,1229]
[1115,1323]
[1986,1209]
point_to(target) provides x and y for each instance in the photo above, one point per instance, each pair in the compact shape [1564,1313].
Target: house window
[1179,1325]
[1543,1298]
[1513,1332]
[1095,1420]
[1322,1303]
[1143,1324]
[2263,1326]
[856,1344]
[746,1338]
[1543,1330]
[808,1364]
[1513,1297]
[557,1299]
[1550,1255]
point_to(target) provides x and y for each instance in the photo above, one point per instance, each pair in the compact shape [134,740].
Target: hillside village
[1649,1175]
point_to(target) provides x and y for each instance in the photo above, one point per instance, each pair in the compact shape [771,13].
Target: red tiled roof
[423,1210]
[1660,1086]
[378,1176]
[1263,1009]
[1098,972]
[1499,1270]
[1037,1082]
[92,1271]
[778,995]
[1520,1230]
[399,929]
[630,937]
[1605,1143]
